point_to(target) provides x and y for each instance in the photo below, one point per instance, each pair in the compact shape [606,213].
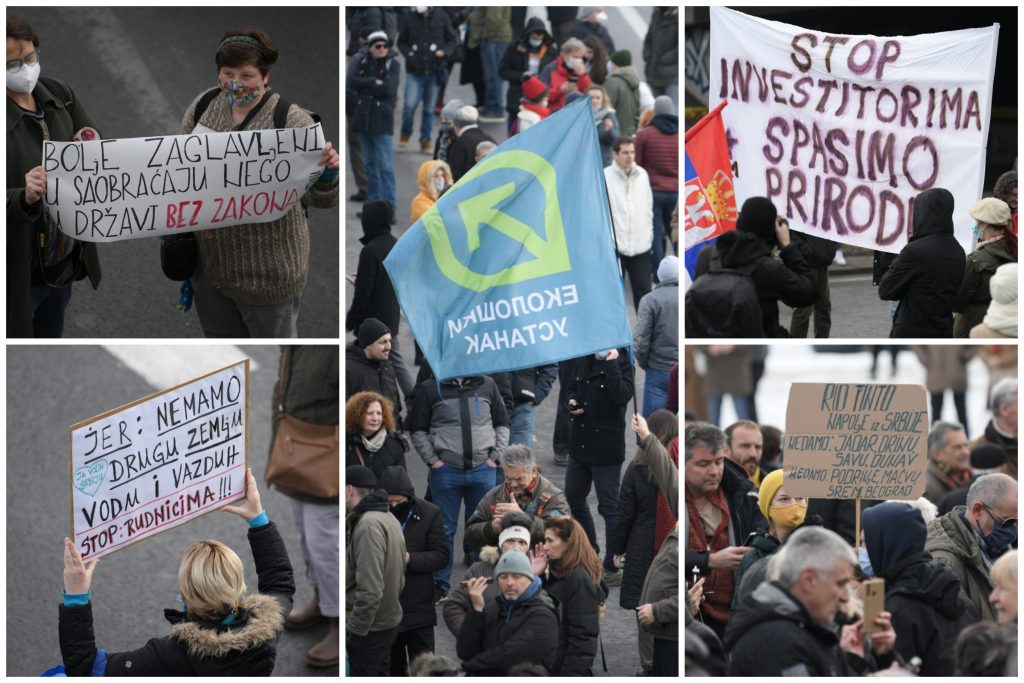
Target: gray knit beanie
[513,562]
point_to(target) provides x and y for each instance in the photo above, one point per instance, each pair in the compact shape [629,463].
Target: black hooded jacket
[516,61]
[427,545]
[374,297]
[926,274]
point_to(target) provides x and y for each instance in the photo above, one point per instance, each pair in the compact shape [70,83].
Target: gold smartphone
[874,603]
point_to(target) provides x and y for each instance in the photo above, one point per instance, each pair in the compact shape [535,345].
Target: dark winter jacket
[362,21]
[417,33]
[462,153]
[583,28]
[428,548]
[516,62]
[817,251]
[661,47]
[973,296]
[926,274]
[373,110]
[657,151]
[633,532]
[391,453]
[462,426]
[458,604]
[542,501]
[532,385]
[374,296]
[364,374]
[880,265]
[247,647]
[763,545]
[65,116]
[790,280]
[579,624]
[508,632]
[837,515]
[602,389]
[745,517]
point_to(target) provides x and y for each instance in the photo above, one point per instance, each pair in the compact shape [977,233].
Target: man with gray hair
[787,626]
[949,461]
[483,149]
[523,490]
[1001,430]
[468,134]
[722,511]
[970,537]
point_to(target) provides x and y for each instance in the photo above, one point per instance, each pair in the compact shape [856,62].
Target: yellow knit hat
[769,485]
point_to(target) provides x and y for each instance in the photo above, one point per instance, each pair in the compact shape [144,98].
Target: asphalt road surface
[136,70]
[51,387]
[618,628]
[857,312]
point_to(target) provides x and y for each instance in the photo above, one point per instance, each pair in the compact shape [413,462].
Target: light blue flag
[515,265]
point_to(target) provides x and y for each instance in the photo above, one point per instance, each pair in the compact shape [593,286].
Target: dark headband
[244,40]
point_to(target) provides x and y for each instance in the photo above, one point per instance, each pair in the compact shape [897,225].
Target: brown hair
[664,425]
[578,551]
[260,51]
[357,406]
[18,29]
[620,141]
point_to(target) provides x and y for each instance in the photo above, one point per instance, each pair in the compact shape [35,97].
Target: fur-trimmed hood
[489,554]
[260,626]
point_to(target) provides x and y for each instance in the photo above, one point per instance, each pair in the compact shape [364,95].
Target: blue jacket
[374,105]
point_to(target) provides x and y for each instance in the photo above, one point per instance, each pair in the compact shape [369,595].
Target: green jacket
[952,542]
[374,567]
[489,25]
[623,88]
[65,115]
[973,297]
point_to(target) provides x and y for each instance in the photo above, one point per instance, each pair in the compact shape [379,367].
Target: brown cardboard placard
[856,440]
[159,461]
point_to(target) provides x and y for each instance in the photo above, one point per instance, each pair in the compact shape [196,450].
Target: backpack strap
[203,104]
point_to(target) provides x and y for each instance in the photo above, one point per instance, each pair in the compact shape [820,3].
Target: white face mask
[602,16]
[422,9]
[24,79]
[438,184]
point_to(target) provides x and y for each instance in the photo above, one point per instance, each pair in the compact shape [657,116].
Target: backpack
[723,303]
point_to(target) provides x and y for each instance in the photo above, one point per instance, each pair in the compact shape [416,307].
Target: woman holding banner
[221,631]
[249,278]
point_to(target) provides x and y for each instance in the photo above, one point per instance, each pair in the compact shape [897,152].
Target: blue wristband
[75,599]
[329,176]
[259,520]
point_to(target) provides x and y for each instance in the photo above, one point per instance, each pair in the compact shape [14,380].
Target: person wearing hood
[749,248]
[426,551]
[434,178]
[374,574]
[925,276]
[368,365]
[631,203]
[656,340]
[519,626]
[568,73]
[971,537]
[524,59]
[605,119]
[372,82]
[533,107]
[590,22]
[923,595]
[997,246]
[787,626]
[1000,321]
[221,630]
[623,87]
[657,151]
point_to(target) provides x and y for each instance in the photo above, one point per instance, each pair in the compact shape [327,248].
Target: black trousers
[666,658]
[407,646]
[369,655]
[638,268]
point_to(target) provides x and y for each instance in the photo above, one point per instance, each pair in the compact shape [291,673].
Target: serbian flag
[710,200]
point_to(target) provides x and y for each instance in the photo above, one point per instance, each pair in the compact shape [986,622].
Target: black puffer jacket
[247,647]
[363,374]
[516,61]
[633,532]
[579,621]
[391,453]
[374,296]
[602,389]
[427,545]
[509,633]
[926,274]
[418,33]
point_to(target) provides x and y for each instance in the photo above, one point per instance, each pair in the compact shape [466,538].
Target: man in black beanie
[368,365]
[748,249]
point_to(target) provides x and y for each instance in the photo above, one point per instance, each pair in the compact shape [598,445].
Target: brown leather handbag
[305,457]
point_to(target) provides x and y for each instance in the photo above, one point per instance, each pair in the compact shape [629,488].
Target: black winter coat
[247,647]
[745,517]
[391,453]
[516,61]
[417,33]
[602,389]
[374,296]
[362,21]
[462,153]
[926,274]
[506,634]
[579,622]
[427,545]
[790,280]
[373,108]
[817,251]
[633,532]
[363,374]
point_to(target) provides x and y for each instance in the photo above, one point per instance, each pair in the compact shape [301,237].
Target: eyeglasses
[30,58]
[1004,522]
[376,46]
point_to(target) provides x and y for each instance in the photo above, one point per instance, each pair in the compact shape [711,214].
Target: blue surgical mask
[608,66]
[864,561]
[978,232]
[568,63]
[536,43]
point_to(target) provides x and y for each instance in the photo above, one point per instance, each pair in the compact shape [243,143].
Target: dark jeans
[666,658]
[959,400]
[369,655]
[407,646]
[355,156]
[822,309]
[639,270]
[49,303]
[605,478]
[563,427]
[664,204]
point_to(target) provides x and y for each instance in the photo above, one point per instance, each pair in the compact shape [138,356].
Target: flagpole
[618,262]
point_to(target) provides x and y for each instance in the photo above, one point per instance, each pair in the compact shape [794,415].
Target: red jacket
[556,98]
[657,152]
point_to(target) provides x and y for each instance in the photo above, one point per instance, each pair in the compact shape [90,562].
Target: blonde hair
[1004,571]
[211,579]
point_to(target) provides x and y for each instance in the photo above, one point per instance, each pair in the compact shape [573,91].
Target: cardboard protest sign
[852,441]
[160,461]
[109,190]
[841,132]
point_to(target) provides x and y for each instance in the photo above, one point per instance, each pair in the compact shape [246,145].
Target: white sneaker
[839,260]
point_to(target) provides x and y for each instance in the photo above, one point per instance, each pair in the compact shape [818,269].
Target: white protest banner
[109,190]
[841,132]
[854,441]
[160,461]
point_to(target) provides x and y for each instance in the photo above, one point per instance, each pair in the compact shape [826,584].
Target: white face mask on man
[24,79]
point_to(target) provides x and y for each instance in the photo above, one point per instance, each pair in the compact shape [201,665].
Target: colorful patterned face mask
[238,94]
